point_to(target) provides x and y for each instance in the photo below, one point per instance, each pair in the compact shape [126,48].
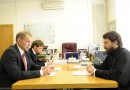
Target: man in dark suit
[16,64]
[116,59]
[124,81]
[35,50]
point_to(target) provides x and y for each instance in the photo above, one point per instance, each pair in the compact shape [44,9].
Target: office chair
[3,88]
[99,57]
[69,47]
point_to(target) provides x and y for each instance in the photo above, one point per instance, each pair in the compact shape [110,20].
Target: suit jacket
[124,80]
[12,67]
[113,66]
[33,56]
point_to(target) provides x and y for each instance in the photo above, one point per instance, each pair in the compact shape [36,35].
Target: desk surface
[64,79]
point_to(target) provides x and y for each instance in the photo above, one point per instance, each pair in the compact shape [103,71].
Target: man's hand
[49,63]
[47,70]
[90,69]
[52,67]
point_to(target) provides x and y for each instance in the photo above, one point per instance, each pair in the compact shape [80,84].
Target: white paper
[59,61]
[79,66]
[81,73]
[73,61]
[52,74]
[56,69]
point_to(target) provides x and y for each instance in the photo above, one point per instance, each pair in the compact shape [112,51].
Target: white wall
[7,14]
[123,21]
[75,23]
[71,23]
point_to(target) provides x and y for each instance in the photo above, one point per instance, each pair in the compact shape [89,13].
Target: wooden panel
[1,40]
[6,37]
[65,79]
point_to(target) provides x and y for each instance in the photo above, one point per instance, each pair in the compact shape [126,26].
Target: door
[6,37]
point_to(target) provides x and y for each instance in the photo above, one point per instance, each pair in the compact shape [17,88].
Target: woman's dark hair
[113,36]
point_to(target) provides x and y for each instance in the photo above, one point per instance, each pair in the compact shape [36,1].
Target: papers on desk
[81,73]
[84,58]
[74,61]
[60,61]
[52,74]
[56,69]
[85,63]
[79,66]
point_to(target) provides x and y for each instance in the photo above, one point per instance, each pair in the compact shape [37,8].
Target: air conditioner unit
[53,4]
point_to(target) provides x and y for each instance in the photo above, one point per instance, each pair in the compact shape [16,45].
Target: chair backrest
[3,88]
[0,65]
[101,55]
[69,47]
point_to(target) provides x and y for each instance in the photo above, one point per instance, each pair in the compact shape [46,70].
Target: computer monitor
[71,54]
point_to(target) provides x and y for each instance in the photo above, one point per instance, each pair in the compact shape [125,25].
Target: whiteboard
[42,31]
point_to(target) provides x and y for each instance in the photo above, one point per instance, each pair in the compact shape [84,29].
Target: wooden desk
[65,79]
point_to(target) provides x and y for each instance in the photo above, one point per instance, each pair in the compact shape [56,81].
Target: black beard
[110,50]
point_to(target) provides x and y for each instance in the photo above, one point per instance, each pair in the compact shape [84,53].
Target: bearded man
[116,60]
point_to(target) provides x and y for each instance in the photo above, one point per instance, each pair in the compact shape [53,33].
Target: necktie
[24,61]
